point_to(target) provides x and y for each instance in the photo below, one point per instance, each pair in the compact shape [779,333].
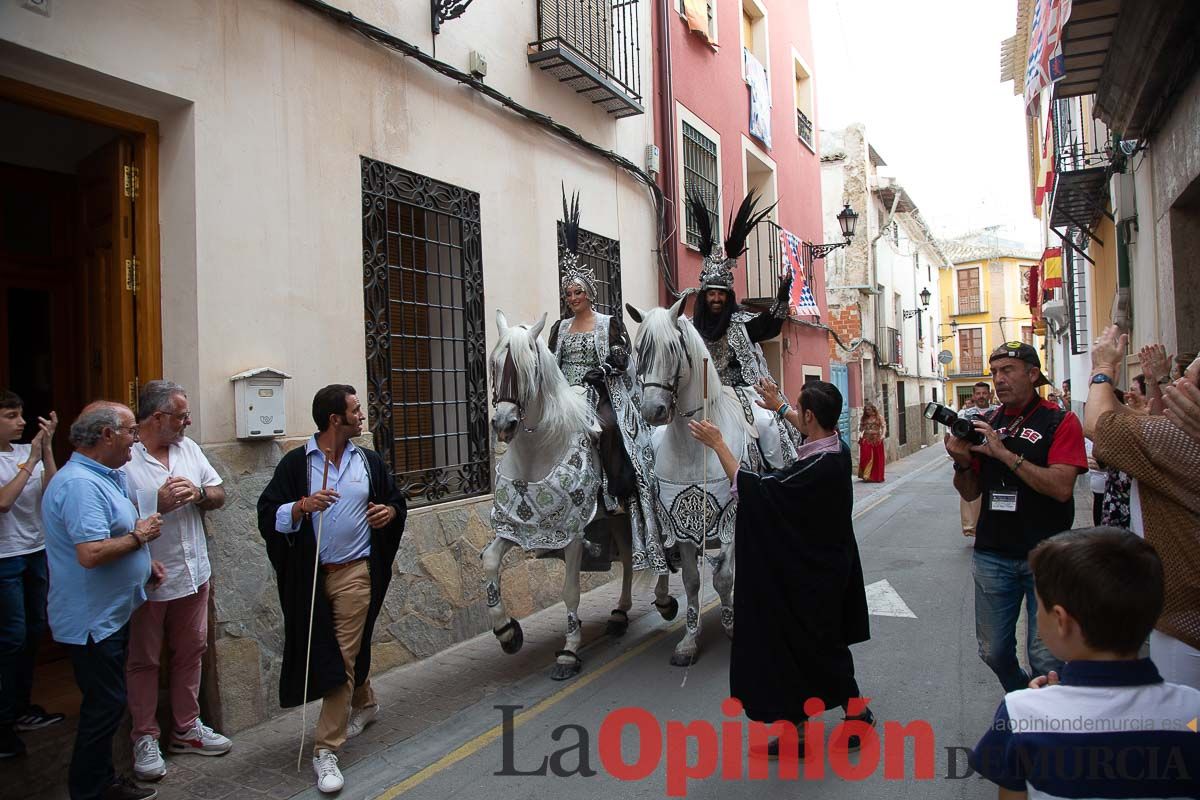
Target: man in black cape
[800,601]
[364,520]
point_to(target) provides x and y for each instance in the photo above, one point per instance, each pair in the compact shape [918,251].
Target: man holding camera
[1022,464]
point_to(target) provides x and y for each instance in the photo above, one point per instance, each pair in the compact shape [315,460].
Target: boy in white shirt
[24,470]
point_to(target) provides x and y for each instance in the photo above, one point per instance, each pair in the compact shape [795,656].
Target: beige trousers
[349,593]
[969,511]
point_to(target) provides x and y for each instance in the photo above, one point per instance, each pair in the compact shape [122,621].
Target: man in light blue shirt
[346,534]
[99,568]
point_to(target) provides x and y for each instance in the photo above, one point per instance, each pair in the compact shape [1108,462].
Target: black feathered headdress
[570,265]
[719,261]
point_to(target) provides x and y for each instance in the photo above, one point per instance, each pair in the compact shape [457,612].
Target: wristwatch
[203,495]
[1101,377]
[1164,380]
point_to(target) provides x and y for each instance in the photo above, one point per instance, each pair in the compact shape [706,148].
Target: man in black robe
[800,601]
[364,516]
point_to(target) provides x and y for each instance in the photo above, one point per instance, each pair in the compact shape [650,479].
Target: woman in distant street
[870,444]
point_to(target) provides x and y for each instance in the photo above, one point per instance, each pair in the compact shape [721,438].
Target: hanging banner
[1045,63]
[696,14]
[1052,275]
[1045,176]
[1034,292]
[803,302]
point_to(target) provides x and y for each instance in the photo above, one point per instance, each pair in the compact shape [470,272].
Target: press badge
[1003,500]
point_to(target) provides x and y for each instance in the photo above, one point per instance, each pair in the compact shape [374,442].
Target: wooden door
[109,276]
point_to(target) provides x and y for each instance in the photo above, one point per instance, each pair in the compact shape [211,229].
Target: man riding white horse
[732,333]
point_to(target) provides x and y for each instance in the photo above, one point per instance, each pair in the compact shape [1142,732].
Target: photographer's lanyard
[1015,427]
[1004,498]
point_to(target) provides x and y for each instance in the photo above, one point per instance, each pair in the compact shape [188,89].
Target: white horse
[695,506]
[547,482]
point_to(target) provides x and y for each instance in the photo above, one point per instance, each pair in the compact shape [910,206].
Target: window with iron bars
[1075,267]
[426,351]
[700,173]
[603,255]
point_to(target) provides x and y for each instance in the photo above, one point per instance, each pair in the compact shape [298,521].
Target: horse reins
[673,387]
[504,390]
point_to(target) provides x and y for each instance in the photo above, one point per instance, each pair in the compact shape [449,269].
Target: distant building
[882,290]
[984,304]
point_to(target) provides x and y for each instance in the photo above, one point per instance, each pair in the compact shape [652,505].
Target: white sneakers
[329,777]
[200,740]
[360,718]
[148,764]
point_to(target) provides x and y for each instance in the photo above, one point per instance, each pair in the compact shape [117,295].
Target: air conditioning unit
[1124,197]
[1055,311]
[1122,312]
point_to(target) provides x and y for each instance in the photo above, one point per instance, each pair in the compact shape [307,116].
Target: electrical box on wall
[260,403]
[653,159]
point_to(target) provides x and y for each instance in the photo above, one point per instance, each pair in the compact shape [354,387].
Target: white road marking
[884,601]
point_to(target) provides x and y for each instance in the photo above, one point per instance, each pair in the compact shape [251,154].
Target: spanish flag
[1052,268]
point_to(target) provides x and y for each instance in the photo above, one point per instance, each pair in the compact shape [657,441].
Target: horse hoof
[684,659]
[669,609]
[618,623]
[564,672]
[518,638]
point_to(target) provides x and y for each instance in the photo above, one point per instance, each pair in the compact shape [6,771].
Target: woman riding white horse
[548,480]
[593,351]
[696,507]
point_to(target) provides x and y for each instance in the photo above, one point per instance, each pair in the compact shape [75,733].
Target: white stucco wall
[265,109]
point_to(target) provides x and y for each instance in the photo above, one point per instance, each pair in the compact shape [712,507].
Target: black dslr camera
[962,428]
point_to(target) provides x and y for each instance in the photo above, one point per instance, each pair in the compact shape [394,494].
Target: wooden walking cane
[312,604]
[703,523]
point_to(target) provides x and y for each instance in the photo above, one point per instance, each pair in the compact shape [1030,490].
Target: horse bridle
[673,387]
[504,390]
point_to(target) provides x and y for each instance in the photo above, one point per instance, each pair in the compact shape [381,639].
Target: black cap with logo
[1022,352]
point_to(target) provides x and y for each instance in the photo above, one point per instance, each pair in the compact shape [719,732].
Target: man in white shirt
[24,470]
[168,461]
[980,407]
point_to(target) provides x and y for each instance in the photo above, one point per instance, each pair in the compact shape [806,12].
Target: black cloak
[293,557]
[800,600]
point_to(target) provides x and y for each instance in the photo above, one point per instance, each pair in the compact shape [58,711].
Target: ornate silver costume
[578,353]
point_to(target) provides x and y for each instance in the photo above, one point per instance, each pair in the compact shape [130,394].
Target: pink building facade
[735,110]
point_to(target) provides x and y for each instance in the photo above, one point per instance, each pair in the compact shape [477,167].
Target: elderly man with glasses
[169,463]
[100,568]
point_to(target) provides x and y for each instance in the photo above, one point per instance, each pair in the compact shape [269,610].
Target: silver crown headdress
[571,266]
[719,262]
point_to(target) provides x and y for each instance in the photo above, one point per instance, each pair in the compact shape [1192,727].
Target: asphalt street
[919,666]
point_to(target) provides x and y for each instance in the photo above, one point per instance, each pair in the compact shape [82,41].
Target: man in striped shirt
[1109,726]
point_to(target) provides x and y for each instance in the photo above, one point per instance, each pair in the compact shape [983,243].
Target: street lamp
[847,220]
[953,331]
[925,297]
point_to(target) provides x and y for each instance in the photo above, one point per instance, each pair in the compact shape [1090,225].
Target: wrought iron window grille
[804,128]
[603,255]
[699,173]
[425,341]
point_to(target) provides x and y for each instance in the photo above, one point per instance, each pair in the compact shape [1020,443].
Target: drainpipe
[669,234]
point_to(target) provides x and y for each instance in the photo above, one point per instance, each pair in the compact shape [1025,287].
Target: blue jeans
[1000,585]
[22,623]
[100,674]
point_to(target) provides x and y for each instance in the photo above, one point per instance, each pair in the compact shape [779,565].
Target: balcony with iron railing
[804,128]
[763,263]
[1082,164]
[593,47]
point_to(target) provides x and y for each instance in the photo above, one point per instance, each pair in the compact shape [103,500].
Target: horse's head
[662,359]
[516,375]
